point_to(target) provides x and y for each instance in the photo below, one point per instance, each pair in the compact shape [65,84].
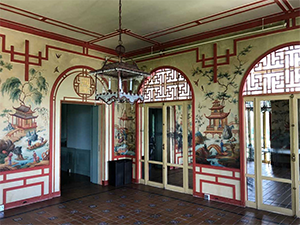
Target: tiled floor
[85,203]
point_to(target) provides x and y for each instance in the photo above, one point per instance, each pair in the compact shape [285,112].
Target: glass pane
[191,181]
[142,133]
[251,189]
[249,136]
[175,176]
[155,134]
[275,138]
[143,170]
[190,135]
[174,135]
[155,172]
[277,194]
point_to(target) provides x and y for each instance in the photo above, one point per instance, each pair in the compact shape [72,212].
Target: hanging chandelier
[126,76]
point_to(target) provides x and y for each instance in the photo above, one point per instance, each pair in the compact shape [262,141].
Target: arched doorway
[270,101]
[76,86]
[166,131]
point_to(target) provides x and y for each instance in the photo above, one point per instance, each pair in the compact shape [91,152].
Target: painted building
[201,90]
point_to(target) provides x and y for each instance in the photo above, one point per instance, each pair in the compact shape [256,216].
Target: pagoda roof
[23,115]
[217,116]
[24,109]
[216,105]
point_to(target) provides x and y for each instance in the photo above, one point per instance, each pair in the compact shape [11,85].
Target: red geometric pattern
[278,72]
[166,85]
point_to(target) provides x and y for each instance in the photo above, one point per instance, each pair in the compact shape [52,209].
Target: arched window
[277,72]
[166,84]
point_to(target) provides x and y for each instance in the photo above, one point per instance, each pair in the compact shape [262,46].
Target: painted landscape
[24,127]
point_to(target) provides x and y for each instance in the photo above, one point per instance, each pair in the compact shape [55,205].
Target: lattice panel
[166,85]
[278,72]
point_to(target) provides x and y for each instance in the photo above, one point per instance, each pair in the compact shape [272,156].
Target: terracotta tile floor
[86,203]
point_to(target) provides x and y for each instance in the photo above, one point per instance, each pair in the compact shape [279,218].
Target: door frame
[145,127]
[294,180]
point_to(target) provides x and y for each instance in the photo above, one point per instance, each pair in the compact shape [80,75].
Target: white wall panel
[44,179]
[23,193]
[23,174]
[217,172]
[202,177]
[9,185]
[218,190]
[46,171]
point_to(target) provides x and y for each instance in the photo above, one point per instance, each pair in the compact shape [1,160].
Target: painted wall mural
[217,124]
[124,130]
[24,127]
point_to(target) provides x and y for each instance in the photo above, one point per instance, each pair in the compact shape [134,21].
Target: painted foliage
[124,129]
[217,124]
[24,126]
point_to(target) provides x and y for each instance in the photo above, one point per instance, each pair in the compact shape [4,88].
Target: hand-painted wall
[217,139]
[25,130]
[29,111]
[124,130]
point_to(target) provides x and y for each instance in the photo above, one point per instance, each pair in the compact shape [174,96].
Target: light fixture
[123,73]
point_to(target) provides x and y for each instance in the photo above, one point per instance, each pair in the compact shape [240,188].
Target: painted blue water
[28,154]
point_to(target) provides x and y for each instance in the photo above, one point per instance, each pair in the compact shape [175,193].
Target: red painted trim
[219,176]
[290,7]
[218,168]
[44,19]
[35,31]
[217,32]
[129,33]
[201,21]
[25,178]
[26,169]
[21,187]
[219,184]
[280,6]
[105,183]
[215,63]
[26,60]
[242,151]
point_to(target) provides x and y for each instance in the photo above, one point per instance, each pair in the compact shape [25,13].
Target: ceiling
[146,24]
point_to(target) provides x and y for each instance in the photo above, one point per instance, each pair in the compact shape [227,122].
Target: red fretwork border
[29,58]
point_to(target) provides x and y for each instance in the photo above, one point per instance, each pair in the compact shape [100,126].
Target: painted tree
[5,115]
[199,117]
[4,65]
[32,89]
[225,80]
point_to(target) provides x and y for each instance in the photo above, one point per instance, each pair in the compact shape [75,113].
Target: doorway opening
[271,132]
[79,143]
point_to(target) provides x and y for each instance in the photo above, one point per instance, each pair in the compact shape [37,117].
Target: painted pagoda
[23,118]
[217,119]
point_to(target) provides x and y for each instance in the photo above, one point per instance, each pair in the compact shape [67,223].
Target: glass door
[166,159]
[271,154]
[154,161]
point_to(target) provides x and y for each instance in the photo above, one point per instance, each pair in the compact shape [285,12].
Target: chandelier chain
[120,22]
